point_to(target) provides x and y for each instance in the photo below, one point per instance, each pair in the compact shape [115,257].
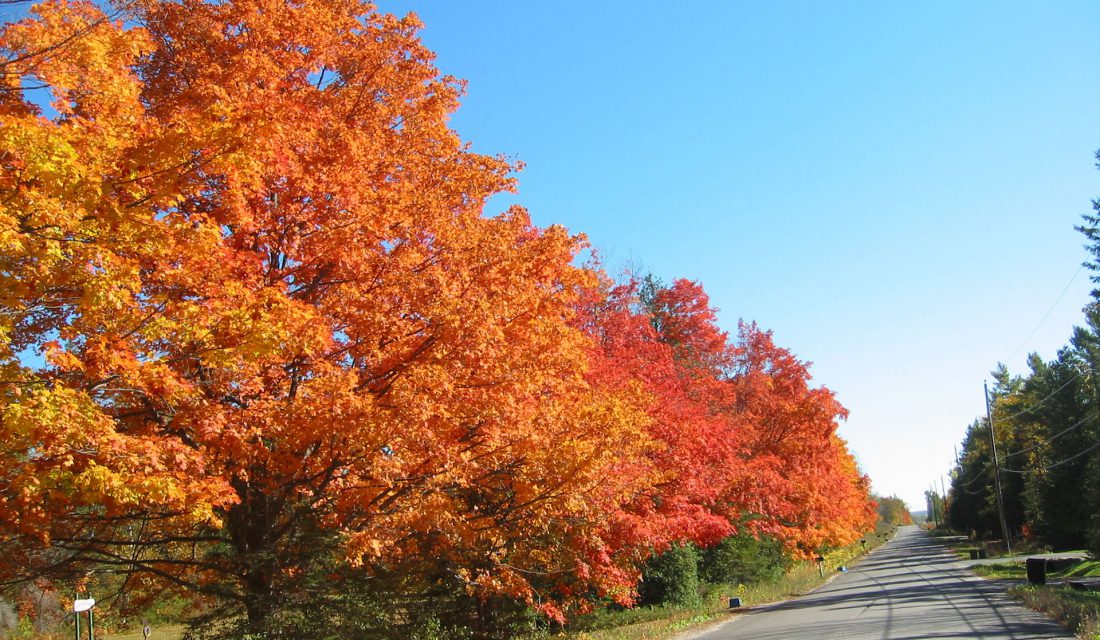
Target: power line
[1060,462]
[964,485]
[1047,315]
[1074,378]
[1052,438]
[976,478]
[1076,375]
[974,493]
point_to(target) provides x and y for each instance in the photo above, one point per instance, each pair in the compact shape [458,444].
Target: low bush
[671,578]
[743,559]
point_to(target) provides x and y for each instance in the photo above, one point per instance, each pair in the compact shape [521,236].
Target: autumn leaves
[255,260]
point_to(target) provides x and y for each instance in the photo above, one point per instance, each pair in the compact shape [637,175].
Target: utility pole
[932,503]
[943,500]
[996,471]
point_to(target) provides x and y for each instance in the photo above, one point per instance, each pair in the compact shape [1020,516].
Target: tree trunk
[251,525]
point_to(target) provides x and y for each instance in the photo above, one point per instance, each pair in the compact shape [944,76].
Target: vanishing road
[906,589]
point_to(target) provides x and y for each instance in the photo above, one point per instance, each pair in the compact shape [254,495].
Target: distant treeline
[893,511]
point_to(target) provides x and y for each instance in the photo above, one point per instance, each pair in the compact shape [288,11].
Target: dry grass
[159,632]
[653,629]
[1001,570]
[1077,610]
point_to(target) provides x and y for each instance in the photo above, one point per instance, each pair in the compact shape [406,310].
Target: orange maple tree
[802,482]
[255,260]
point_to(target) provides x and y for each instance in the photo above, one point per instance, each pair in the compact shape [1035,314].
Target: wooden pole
[996,471]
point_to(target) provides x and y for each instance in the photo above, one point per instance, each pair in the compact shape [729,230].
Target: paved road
[907,589]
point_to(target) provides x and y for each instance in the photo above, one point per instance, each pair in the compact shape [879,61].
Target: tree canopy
[272,317]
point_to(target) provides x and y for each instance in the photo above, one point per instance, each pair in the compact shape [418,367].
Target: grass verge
[159,632]
[1077,610]
[1001,571]
[1018,570]
[961,545]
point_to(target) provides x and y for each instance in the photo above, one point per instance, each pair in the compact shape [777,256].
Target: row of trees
[1047,428]
[892,511]
[260,344]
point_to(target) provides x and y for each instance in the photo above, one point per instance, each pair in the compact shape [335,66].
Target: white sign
[83,605]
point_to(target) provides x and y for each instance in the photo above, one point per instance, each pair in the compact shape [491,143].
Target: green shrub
[672,577]
[743,559]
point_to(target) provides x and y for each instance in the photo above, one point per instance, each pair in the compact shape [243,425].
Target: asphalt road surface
[908,588]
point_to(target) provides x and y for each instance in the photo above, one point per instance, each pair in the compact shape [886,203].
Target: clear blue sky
[889,186]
